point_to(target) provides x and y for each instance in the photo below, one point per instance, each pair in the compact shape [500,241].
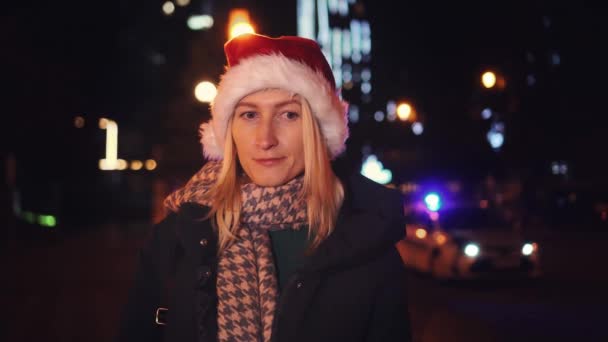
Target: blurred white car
[466,242]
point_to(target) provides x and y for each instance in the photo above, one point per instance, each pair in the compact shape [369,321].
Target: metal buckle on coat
[161,316]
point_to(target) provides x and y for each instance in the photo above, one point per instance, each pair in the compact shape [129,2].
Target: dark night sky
[65,56]
[436,51]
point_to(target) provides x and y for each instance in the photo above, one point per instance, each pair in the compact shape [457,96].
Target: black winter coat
[352,288]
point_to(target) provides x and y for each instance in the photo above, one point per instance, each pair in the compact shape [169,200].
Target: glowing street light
[239,23]
[205,91]
[136,165]
[404,111]
[488,79]
[241,28]
[168,8]
[200,22]
[471,250]
[421,233]
[150,164]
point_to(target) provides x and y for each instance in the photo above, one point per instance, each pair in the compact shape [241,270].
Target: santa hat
[295,64]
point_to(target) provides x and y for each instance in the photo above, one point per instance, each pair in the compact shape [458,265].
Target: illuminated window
[353,113]
[366,87]
[417,128]
[486,113]
[306,18]
[366,38]
[379,116]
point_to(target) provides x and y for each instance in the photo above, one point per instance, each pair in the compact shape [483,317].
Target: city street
[484,118]
[71,288]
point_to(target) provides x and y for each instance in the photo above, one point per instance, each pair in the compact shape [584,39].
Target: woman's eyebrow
[287,102]
[276,105]
[246,104]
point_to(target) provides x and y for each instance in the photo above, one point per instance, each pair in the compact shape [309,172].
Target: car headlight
[528,248]
[471,250]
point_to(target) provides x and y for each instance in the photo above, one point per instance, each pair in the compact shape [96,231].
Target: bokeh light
[205,91]
[488,79]
[168,8]
[404,111]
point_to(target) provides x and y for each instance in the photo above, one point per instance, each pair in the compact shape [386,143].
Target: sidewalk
[69,289]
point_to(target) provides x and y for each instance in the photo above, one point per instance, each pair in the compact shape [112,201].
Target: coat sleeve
[138,316]
[390,320]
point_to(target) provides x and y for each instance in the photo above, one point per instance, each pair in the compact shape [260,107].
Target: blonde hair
[322,205]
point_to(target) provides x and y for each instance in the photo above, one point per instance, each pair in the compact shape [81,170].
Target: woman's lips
[269,161]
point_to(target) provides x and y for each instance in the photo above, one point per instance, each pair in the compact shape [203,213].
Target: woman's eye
[248,115]
[291,115]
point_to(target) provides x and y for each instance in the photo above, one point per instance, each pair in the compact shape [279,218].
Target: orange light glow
[420,233]
[241,28]
[404,111]
[440,238]
[79,122]
[121,164]
[136,165]
[483,204]
[239,23]
[150,164]
[488,79]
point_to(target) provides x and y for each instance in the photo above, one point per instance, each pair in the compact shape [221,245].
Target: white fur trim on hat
[275,71]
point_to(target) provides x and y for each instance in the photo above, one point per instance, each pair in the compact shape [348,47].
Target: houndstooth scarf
[247,287]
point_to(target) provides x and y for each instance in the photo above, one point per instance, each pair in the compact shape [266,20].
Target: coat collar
[369,222]
[192,229]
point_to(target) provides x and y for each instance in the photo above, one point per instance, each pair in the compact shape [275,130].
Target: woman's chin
[270,180]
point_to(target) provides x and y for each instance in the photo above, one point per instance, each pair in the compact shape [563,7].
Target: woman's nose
[266,135]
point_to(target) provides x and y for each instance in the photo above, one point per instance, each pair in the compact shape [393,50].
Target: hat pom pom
[211,150]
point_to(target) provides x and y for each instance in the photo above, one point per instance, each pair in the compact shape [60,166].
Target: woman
[265,242]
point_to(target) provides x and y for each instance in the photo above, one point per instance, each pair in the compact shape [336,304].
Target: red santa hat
[295,64]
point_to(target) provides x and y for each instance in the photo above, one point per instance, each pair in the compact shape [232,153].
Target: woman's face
[267,133]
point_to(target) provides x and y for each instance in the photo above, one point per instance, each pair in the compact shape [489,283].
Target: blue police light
[432,201]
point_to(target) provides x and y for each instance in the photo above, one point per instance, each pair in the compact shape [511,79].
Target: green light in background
[29,217]
[47,220]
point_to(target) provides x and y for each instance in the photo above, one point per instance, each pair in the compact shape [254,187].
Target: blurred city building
[505,91]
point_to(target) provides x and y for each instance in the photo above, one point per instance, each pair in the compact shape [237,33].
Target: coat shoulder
[367,195]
